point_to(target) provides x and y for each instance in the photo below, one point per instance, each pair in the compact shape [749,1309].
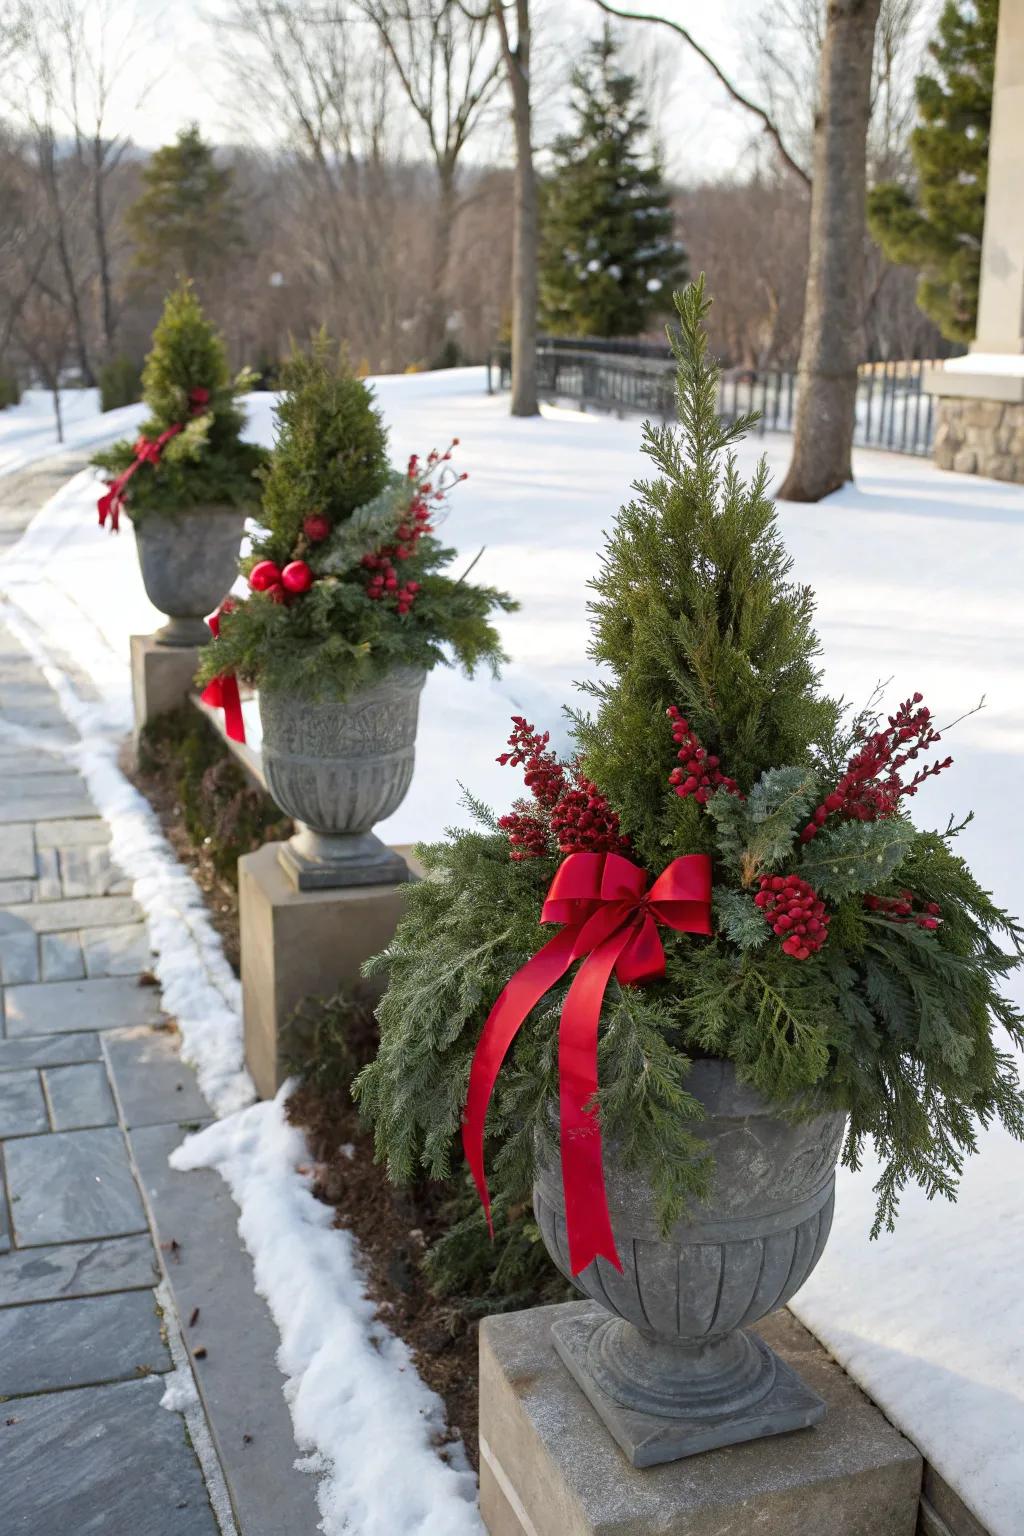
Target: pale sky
[177,75]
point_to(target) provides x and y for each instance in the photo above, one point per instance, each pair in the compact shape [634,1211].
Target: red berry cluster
[384,583]
[700,775]
[584,822]
[571,810]
[316,527]
[871,788]
[527,834]
[901,909]
[543,774]
[794,910]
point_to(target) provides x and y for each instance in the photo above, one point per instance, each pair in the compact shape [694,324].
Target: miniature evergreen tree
[854,961]
[609,259]
[936,226]
[190,394]
[347,582]
[186,222]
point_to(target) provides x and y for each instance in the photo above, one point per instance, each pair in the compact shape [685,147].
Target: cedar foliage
[936,224]
[899,1027]
[330,459]
[206,464]
[609,259]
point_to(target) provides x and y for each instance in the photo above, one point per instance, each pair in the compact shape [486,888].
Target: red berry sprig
[872,786]
[527,834]
[583,821]
[900,909]
[543,774]
[700,774]
[384,583]
[793,910]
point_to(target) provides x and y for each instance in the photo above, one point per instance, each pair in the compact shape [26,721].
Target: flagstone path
[116,1274]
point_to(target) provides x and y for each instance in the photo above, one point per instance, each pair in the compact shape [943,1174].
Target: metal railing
[893,410]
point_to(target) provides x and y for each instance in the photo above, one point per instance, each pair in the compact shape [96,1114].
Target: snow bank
[28,430]
[360,1411]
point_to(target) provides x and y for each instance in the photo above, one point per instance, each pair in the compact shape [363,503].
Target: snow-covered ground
[918,576]
[28,430]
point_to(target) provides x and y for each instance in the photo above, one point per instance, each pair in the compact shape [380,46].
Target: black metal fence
[893,410]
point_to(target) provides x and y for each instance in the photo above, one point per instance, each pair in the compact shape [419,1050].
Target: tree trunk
[436,328]
[831,344]
[526,239]
[99,215]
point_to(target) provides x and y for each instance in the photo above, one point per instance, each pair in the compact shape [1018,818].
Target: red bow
[147,451]
[612,926]
[222,692]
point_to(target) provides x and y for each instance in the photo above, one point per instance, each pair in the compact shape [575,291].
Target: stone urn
[189,561]
[338,768]
[665,1356]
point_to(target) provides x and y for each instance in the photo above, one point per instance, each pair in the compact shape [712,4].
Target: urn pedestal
[338,768]
[189,561]
[668,1363]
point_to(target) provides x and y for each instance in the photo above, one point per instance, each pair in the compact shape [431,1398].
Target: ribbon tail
[587,1220]
[521,994]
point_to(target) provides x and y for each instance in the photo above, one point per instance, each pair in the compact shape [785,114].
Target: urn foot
[680,1402]
[316,861]
[182,632]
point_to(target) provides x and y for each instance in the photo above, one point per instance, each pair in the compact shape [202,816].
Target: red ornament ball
[264,576]
[297,577]
[316,527]
[277,593]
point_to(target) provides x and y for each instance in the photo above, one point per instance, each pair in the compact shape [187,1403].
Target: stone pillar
[162,678]
[980,404]
[548,1466]
[301,944]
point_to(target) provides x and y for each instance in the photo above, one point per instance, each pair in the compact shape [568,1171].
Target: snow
[28,430]
[358,1406]
[1009,363]
[918,576]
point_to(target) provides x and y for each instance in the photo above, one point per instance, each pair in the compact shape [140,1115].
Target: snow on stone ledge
[367,1422]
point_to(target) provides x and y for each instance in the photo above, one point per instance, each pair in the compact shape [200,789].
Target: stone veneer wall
[980,437]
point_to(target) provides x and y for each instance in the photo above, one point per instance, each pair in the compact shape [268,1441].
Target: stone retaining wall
[981,437]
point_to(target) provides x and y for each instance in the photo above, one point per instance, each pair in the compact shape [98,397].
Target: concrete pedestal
[548,1466]
[162,678]
[300,944]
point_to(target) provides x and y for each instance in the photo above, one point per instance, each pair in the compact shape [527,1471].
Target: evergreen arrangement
[190,452]
[187,221]
[348,579]
[609,259]
[935,224]
[854,963]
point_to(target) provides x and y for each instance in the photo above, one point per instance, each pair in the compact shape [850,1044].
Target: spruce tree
[609,258]
[936,223]
[186,223]
[206,463]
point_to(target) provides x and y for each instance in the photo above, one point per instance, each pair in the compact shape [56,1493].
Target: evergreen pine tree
[206,463]
[186,222]
[609,260]
[936,226]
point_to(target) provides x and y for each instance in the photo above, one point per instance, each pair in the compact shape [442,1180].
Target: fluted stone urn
[338,768]
[665,1357]
[189,561]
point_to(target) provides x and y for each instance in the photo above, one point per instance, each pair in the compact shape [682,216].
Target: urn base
[769,1397]
[316,861]
[183,632]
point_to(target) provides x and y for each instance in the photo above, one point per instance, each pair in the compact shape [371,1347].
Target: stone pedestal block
[300,944]
[162,678]
[548,1466]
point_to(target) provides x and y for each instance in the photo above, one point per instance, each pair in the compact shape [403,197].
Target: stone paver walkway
[113,1269]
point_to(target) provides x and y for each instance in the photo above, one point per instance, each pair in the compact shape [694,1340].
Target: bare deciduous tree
[834,302]
[526,239]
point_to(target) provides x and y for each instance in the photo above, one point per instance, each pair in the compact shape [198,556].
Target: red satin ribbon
[612,926]
[147,451]
[222,692]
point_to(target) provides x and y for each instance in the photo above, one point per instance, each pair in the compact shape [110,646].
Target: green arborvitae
[935,222]
[330,462]
[609,258]
[891,1011]
[207,463]
[187,221]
